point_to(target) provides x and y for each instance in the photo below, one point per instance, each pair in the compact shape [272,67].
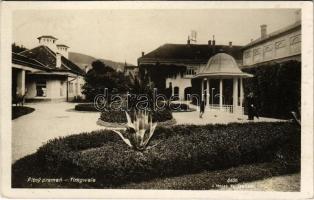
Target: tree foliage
[100,77]
[17,49]
[277,88]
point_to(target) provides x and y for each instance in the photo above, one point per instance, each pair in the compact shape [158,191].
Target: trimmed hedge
[179,150]
[180,107]
[86,107]
[18,111]
[120,117]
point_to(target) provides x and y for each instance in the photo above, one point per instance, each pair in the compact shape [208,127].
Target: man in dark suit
[252,110]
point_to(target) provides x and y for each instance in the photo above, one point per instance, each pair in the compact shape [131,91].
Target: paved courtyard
[48,121]
[52,120]
[214,117]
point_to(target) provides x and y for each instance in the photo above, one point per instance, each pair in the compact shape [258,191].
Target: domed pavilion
[224,69]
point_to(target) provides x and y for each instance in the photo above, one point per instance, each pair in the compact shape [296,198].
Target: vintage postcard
[157,100]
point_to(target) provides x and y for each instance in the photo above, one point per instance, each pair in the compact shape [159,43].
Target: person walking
[202,108]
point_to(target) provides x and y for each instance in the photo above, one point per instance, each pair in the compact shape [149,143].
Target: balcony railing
[227,108]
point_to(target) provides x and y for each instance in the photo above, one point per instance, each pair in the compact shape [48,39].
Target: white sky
[122,35]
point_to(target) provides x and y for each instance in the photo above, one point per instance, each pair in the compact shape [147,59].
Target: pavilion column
[241,92]
[202,90]
[220,93]
[21,82]
[208,92]
[235,94]
[205,91]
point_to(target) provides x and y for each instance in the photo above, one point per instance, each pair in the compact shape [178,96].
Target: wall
[182,83]
[284,46]
[31,89]
[76,84]
[55,88]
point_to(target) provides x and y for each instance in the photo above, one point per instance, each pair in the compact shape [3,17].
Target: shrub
[86,107]
[277,88]
[78,99]
[180,107]
[18,111]
[117,116]
[178,150]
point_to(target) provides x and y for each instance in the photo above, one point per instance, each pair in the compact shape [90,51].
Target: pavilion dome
[221,65]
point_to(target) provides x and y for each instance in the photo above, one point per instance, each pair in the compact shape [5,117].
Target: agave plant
[139,131]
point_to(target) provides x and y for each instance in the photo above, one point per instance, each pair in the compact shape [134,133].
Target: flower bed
[120,117]
[182,149]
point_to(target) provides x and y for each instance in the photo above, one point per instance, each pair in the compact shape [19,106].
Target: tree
[100,77]
[17,49]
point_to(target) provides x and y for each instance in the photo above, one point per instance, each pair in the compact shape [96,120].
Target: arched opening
[187,91]
[176,93]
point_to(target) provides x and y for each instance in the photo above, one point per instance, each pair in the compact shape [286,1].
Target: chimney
[143,53]
[214,44]
[263,31]
[297,16]
[63,49]
[209,42]
[48,41]
[230,44]
[58,60]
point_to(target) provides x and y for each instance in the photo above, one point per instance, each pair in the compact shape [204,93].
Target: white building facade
[283,44]
[44,73]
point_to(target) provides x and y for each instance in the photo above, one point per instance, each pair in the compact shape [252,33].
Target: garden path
[48,121]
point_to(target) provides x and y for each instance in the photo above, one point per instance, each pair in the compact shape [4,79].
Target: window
[280,44]
[76,89]
[247,54]
[41,88]
[61,88]
[268,48]
[190,71]
[257,51]
[295,39]
[176,91]
[70,87]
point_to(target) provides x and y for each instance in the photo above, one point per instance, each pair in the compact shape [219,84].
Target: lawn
[249,151]
[18,111]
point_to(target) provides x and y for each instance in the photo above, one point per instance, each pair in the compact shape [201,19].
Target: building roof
[62,45]
[47,36]
[190,52]
[48,58]
[221,65]
[274,34]
[24,60]
[130,67]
